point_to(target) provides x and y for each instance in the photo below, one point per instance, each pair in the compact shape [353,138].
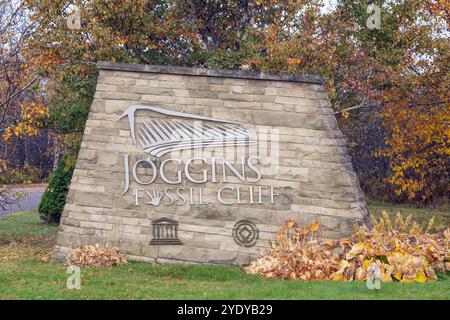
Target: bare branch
[362,104]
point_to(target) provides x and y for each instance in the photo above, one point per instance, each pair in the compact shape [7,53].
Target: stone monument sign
[202,166]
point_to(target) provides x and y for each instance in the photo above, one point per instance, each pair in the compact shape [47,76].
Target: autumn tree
[408,82]
[388,85]
[417,107]
[21,102]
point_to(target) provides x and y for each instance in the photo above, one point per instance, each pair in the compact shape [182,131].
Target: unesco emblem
[245,233]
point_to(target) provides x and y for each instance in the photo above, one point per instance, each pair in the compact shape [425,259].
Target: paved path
[29,202]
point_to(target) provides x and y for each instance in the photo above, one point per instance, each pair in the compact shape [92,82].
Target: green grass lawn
[25,227]
[25,273]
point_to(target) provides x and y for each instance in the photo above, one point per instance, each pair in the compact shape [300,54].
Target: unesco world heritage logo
[245,233]
[165,231]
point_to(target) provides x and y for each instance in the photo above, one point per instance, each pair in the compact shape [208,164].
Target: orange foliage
[30,112]
[401,71]
[400,249]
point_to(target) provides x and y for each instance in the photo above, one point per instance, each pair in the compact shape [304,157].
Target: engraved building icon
[165,231]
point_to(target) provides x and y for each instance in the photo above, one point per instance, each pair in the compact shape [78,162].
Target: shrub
[296,255]
[12,173]
[400,250]
[54,197]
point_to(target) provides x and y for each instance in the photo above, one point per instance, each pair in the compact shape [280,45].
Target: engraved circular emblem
[245,233]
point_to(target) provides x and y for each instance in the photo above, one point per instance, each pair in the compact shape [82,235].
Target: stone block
[93,199]
[180,252]
[289,112]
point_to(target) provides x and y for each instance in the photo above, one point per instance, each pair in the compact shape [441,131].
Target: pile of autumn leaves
[95,256]
[401,250]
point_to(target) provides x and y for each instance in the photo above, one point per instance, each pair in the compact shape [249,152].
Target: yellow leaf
[367,263]
[345,113]
[356,249]
[360,274]
[315,226]
[293,61]
[397,275]
[421,277]
[329,245]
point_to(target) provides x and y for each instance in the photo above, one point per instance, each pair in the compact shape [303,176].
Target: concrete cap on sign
[241,74]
